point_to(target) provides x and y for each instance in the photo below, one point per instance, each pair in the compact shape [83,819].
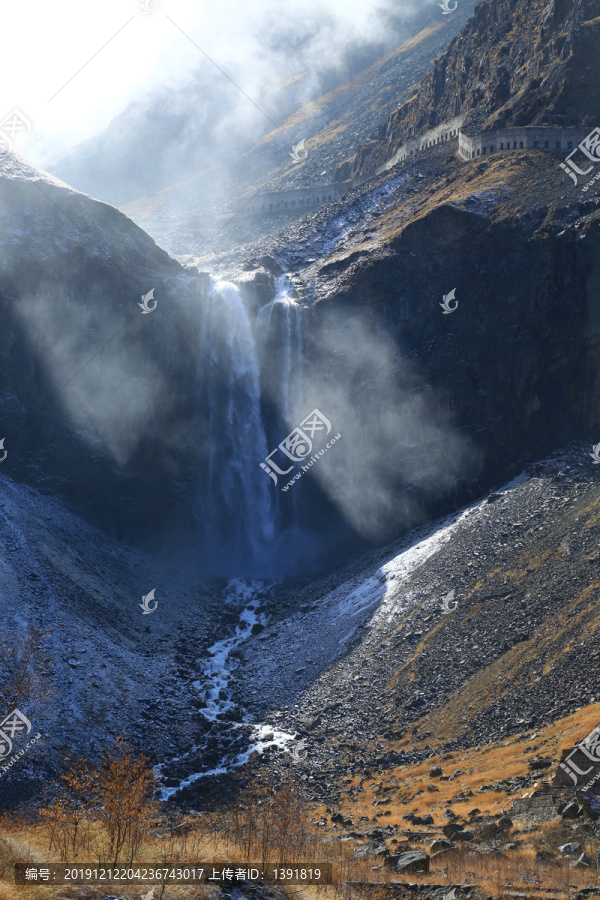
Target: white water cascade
[284,309]
[214,686]
[236,492]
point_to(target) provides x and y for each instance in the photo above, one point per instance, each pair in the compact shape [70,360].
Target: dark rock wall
[514,63]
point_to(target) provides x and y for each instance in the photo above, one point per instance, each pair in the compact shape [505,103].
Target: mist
[198,88]
[399,446]
[217,123]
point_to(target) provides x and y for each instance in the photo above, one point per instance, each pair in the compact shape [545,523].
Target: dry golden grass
[493,873]
[472,774]
[480,766]
[478,769]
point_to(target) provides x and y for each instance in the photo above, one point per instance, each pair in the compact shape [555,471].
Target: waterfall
[280,327]
[249,376]
[279,336]
[235,495]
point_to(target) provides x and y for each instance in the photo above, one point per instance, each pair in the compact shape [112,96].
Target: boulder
[373,848]
[419,820]
[376,834]
[583,862]
[488,831]
[440,846]
[540,763]
[413,861]
[571,811]
[423,820]
[309,723]
[457,832]
[569,849]
[435,772]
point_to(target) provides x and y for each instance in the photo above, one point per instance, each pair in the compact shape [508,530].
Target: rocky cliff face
[514,368]
[86,404]
[514,63]
[111,409]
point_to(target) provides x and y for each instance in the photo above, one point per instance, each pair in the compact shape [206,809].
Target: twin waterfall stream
[237,442]
[237,439]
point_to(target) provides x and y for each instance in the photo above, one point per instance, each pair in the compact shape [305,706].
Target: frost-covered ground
[288,656]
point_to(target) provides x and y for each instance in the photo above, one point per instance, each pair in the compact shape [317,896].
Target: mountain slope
[84,375]
[398,677]
[513,64]
[112,670]
[201,173]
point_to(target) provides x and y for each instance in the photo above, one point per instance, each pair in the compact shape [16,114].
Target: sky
[67,67]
